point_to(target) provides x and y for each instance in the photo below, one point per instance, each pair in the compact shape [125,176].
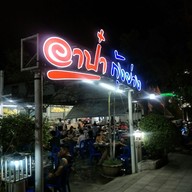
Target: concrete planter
[111,170]
[149,164]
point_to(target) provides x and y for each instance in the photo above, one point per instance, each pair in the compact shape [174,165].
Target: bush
[112,161]
[160,135]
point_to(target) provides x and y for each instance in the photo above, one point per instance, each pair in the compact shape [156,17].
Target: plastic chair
[125,157]
[126,152]
[93,153]
[83,148]
[54,155]
[72,148]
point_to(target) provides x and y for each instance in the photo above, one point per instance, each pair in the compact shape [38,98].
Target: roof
[97,108]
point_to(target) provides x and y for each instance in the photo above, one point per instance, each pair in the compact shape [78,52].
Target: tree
[160,135]
[17,133]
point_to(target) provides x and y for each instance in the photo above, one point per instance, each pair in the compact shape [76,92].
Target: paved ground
[86,177]
[176,176]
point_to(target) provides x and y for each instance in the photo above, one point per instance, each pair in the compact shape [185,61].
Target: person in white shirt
[81,136]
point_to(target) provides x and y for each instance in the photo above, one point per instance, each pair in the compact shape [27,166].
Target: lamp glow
[152,96]
[138,134]
[110,87]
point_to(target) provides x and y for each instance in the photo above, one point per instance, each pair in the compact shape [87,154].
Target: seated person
[90,133]
[101,138]
[81,146]
[53,147]
[120,146]
[53,142]
[81,136]
[60,174]
[71,133]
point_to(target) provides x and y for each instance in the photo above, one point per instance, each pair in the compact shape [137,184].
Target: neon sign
[60,54]
[122,75]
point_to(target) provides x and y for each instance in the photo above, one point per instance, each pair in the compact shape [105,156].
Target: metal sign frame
[31,61]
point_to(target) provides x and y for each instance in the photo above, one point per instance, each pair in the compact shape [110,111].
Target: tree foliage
[17,133]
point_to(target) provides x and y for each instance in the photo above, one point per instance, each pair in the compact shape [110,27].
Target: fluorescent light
[110,87]
[88,81]
[12,106]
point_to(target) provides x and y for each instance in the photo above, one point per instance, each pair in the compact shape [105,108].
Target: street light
[138,149]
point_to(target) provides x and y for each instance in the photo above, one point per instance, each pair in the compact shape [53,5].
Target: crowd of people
[71,138]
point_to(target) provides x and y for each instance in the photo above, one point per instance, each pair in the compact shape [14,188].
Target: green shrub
[112,161]
[160,135]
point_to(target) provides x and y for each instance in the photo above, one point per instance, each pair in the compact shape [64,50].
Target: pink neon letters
[59,53]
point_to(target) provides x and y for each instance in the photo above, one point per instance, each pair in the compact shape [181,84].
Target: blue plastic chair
[93,152]
[54,155]
[126,152]
[83,148]
[125,157]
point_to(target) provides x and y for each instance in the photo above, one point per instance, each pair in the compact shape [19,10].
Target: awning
[97,108]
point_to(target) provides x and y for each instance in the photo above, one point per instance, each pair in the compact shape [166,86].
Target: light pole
[1,92]
[38,81]
[132,144]
[109,115]
[38,97]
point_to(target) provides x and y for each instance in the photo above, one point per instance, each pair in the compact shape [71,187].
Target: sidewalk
[176,176]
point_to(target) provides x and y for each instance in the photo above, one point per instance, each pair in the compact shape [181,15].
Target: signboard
[74,63]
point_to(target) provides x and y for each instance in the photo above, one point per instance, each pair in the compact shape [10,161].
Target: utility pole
[1,92]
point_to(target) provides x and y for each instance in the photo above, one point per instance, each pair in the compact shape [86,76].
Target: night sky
[80,20]
[159,32]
